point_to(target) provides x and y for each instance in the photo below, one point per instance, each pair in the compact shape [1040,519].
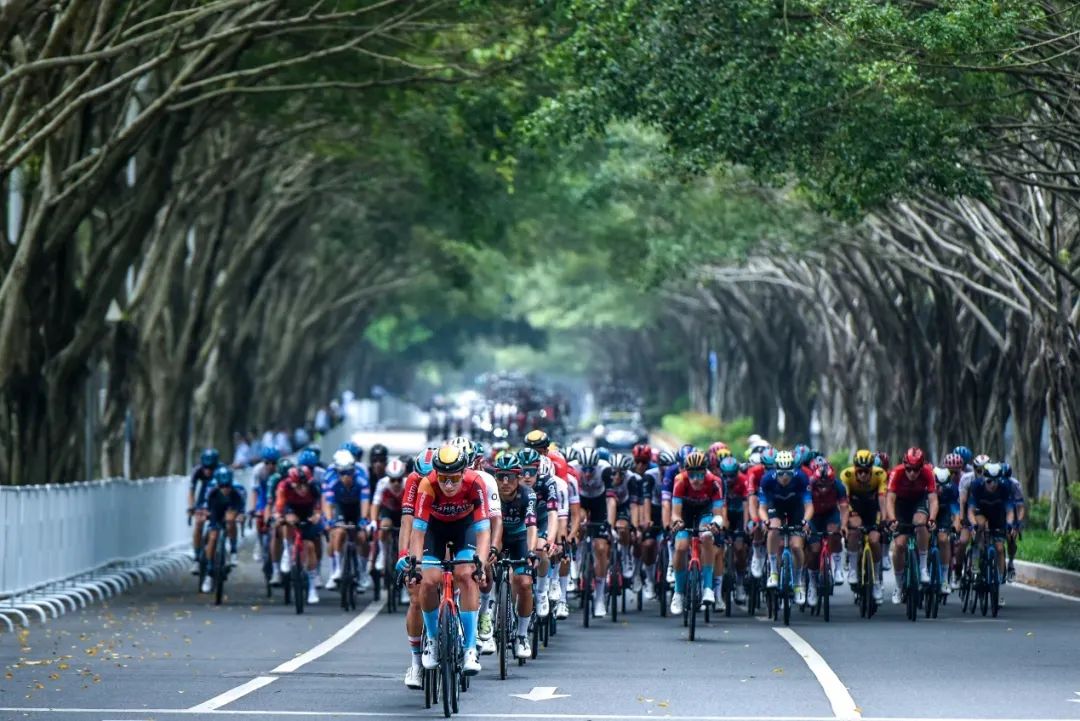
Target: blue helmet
[316,449]
[801,453]
[425,461]
[603,453]
[209,458]
[684,451]
[223,476]
[965,453]
[307,457]
[270,454]
[1006,470]
[356,451]
[768,458]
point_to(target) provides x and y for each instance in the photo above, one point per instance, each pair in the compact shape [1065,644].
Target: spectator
[300,437]
[322,421]
[242,453]
[281,442]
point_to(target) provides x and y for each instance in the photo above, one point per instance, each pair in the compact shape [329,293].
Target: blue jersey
[949,495]
[201,483]
[346,499]
[773,493]
[988,502]
[519,512]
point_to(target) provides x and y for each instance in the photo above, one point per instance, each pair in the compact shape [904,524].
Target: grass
[1038,546]
[702,430]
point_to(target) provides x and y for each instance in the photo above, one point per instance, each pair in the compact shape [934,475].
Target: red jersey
[903,487]
[739,487]
[753,478]
[408,493]
[709,494]
[290,499]
[433,503]
[562,468]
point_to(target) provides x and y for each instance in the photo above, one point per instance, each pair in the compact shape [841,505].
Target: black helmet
[450,460]
[379,452]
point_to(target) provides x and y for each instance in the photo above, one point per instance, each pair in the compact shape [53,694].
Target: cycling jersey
[260,479]
[754,474]
[874,485]
[546,490]
[827,495]
[200,483]
[218,503]
[434,505]
[992,504]
[386,498]
[624,490]
[562,490]
[492,486]
[795,492]
[346,498]
[408,494]
[909,489]
[519,512]
[948,494]
[736,491]
[698,503]
[594,485]
[291,500]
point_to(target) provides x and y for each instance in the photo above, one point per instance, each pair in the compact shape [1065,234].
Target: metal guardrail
[62,544]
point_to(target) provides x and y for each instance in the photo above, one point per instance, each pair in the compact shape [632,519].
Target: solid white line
[1036,589]
[343,634]
[234,693]
[843,705]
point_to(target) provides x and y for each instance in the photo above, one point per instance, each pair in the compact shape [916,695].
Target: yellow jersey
[875,486]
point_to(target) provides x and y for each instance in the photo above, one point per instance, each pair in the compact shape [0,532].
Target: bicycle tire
[299,584]
[693,582]
[824,593]
[534,636]
[221,569]
[447,661]
[501,627]
[429,687]
[934,590]
[787,581]
[545,630]
[346,578]
[660,581]
[911,582]
[727,591]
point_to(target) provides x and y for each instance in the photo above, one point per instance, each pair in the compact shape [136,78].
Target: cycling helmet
[478,450]
[953,462]
[768,457]
[344,462]
[754,458]
[695,461]
[284,466]
[621,462]
[307,457]
[1006,470]
[942,475]
[603,453]
[863,459]
[801,452]
[992,472]
[665,458]
[223,476]
[424,462]
[209,458]
[395,468]
[980,460]
[270,455]
[316,449]
[716,447]
[914,457]
[353,448]
[642,453]
[528,457]
[785,461]
[379,452]
[684,451]
[589,457]
[450,460]
[965,453]
[881,459]
[573,453]
[537,439]
[507,462]
[728,467]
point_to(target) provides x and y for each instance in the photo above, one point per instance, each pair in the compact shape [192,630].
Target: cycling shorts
[461,533]
[622,512]
[694,519]
[517,547]
[308,531]
[393,516]
[790,513]
[907,508]
[819,525]
[867,509]
[996,522]
[596,507]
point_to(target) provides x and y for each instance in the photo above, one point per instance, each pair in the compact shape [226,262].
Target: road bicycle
[825,578]
[296,584]
[616,582]
[780,599]
[389,577]
[729,579]
[967,577]
[866,575]
[586,569]
[219,565]
[988,578]
[660,582]
[350,566]
[932,596]
[694,585]
[911,587]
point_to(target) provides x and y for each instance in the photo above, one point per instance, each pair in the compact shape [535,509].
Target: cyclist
[569,525]
[491,487]
[201,476]
[911,499]
[451,507]
[1020,513]
[784,500]
[345,501]
[519,538]
[538,473]
[260,479]
[623,499]
[297,504]
[650,508]
[223,506]
[697,501]
[592,491]
[990,508]
[414,620]
[830,499]
[754,475]
[386,507]
[378,457]
[736,492]
[865,484]
[947,480]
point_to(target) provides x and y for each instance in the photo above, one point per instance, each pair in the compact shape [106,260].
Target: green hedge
[702,430]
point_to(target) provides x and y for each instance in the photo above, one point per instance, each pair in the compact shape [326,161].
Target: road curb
[1048,577]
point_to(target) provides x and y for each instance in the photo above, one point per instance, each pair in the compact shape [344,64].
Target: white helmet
[344,461]
[941,474]
[395,468]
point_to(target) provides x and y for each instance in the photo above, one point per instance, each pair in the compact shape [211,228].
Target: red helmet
[881,459]
[914,457]
[642,453]
[953,461]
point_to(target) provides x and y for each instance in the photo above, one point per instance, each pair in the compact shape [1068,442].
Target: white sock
[601,589]
[922,561]
[335,561]
[485,601]
[523,626]
[650,572]
[837,562]
[541,585]
[853,559]
[564,586]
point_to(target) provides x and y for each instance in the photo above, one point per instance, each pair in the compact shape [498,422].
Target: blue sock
[706,576]
[468,623]
[680,581]
[431,623]
[232,545]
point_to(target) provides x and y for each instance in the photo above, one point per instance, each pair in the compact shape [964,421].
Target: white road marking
[419,713]
[1043,591]
[343,634]
[843,705]
[541,693]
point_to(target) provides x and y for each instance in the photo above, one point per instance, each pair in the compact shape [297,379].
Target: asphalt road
[164,651]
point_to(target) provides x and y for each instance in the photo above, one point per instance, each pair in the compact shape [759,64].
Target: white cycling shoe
[879,594]
[896,597]
[487,646]
[599,610]
[542,606]
[471,666]
[800,595]
[812,595]
[207,585]
[522,648]
[414,677]
[562,611]
[554,593]
[312,596]
[650,590]
[708,596]
[757,566]
[430,657]
[677,604]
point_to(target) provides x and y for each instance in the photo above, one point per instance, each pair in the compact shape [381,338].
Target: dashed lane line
[341,636]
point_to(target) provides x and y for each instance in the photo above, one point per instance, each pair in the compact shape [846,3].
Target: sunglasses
[697,475]
[506,477]
[527,471]
[449,480]
[912,469]
[587,470]
[784,474]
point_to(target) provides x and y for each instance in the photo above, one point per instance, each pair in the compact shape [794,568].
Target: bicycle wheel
[299,585]
[660,582]
[693,599]
[221,568]
[447,677]
[787,580]
[502,621]
[534,634]
[995,591]
[825,591]
[614,590]
[345,582]
[429,687]
[727,590]
[751,594]
[911,583]
[545,629]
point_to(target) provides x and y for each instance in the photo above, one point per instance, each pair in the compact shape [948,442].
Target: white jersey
[494,505]
[564,497]
[383,486]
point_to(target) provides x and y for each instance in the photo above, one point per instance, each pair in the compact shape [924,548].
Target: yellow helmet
[696,461]
[863,459]
[450,459]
